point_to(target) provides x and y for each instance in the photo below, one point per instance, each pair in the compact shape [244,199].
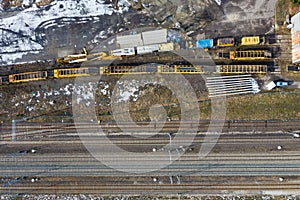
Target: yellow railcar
[146,69]
[27,77]
[242,69]
[250,55]
[71,73]
[188,69]
[143,69]
[225,42]
[255,40]
[180,69]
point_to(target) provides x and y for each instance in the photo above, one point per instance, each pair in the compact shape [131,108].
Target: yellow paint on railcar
[27,77]
[250,55]
[164,69]
[143,69]
[225,42]
[242,69]
[71,73]
[188,69]
[180,69]
[255,40]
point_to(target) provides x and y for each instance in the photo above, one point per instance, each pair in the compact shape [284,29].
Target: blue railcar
[209,43]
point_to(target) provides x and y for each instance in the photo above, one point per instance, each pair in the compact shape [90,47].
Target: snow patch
[126,89]
[29,19]
[18,31]
[219,2]
[29,108]
[9,58]
[105,91]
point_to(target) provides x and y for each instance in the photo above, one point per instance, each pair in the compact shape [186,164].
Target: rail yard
[154,112]
[166,64]
[253,159]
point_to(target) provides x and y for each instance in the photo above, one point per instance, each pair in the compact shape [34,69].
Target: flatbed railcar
[180,69]
[123,69]
[241,69]
[188,69]
[250,55]
[73,72]
[28,76]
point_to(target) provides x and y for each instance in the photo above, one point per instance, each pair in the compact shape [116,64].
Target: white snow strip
[219,2]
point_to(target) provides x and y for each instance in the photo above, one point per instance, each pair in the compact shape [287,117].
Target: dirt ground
[51,100]
[54,100]
[242,18]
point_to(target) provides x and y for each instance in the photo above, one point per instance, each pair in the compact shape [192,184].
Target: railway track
[156,189]
[240,162]
[235,156]
[28,130]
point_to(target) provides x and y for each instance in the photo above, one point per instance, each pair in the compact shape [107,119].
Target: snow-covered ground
[219,2]
[84,94]
[79,94]
[27,20]
[18,31]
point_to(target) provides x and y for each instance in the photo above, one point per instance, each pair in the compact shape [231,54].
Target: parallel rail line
[27,130]
[153,189]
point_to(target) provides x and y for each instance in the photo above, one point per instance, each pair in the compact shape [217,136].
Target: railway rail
[153,189]
[248,162]
[74,174]
[25,130]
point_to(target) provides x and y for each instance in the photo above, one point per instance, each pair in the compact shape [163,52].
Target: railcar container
[255,40]
[225,42]
[209,43]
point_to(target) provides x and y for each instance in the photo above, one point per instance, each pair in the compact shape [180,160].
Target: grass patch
[265,106]
[291,75]
[281,10]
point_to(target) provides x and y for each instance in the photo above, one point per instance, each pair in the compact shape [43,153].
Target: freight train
[163,47]
[152,49]
[117,70]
